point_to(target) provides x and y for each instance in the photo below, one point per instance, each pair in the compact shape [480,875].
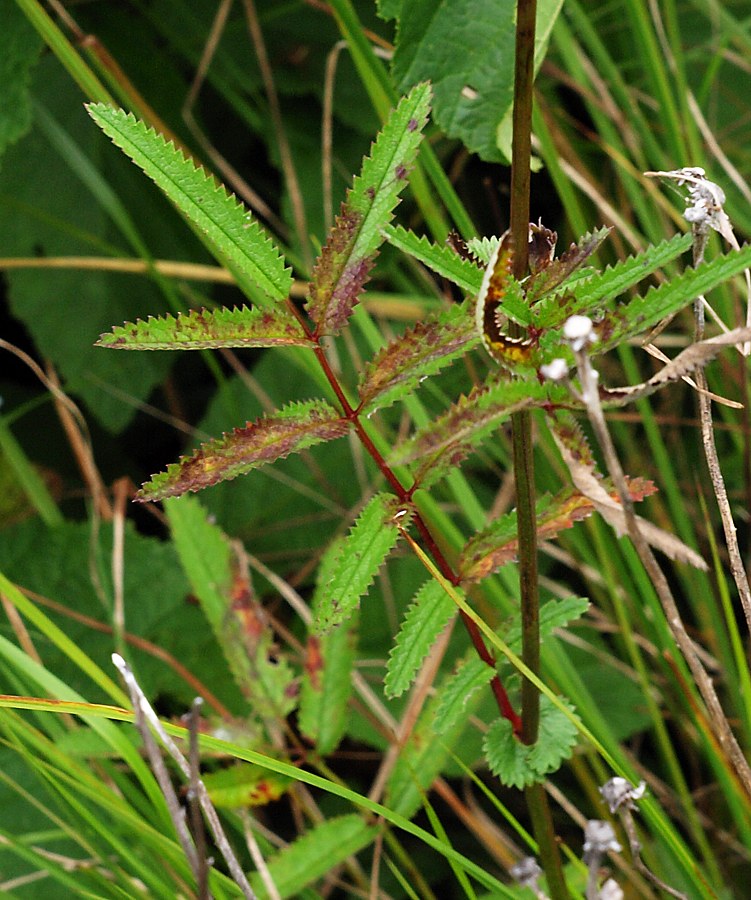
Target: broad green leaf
[444,261]
[19,51]
[472,674]
[466,49]
[358,560]
[662,301]
[290,430]
[416,354]
[49,210]
[518,764]
[327,679]
[203,328]
[428,614]
[345,261]
[242,786]
[232,231]
[316,854]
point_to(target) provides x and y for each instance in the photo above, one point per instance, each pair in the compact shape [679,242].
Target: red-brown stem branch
[405,496]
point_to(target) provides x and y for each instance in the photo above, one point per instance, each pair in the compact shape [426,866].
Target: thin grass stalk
[717,720]
[523,449]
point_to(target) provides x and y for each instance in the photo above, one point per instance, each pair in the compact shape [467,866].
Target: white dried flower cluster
[526,872]
[579,331]
[704,202]
[619,792]
[599,838]
[555,370]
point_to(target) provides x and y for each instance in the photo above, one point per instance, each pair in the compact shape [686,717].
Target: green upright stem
[523,458]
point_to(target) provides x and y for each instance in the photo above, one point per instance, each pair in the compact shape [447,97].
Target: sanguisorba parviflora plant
[564,315]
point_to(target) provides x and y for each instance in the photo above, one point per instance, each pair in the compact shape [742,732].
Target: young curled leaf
[554,274]
[421,351]
[292,429]
[345,261]
[200,329]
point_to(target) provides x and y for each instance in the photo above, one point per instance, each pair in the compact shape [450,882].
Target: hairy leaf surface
[421,351]
[596,290]
[203,328]
[497,545]
[238,239]
[474,416]
[345,261]
[444,261]
[428,614]
[358,560]
[472,674]
[290,430]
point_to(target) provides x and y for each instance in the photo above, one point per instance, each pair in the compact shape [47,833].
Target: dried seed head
[618,792]
[555,370]
[599,838]
[579,332]
[526,872]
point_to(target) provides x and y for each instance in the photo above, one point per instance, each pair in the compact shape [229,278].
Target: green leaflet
[417,353]
[327,680]
[428,614]
[466,49]
[602,287]
[345,261]
[200,329]
[643,313]
[472,417]
[444,261]
[314,854]
[358,560]
[244,785]
[245,637]
[233,233]
[472,674]
[289,430]
[518,764]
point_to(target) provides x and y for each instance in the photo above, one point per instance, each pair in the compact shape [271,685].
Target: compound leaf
[345,261]
[234,235]
[200,329]
[290,430]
